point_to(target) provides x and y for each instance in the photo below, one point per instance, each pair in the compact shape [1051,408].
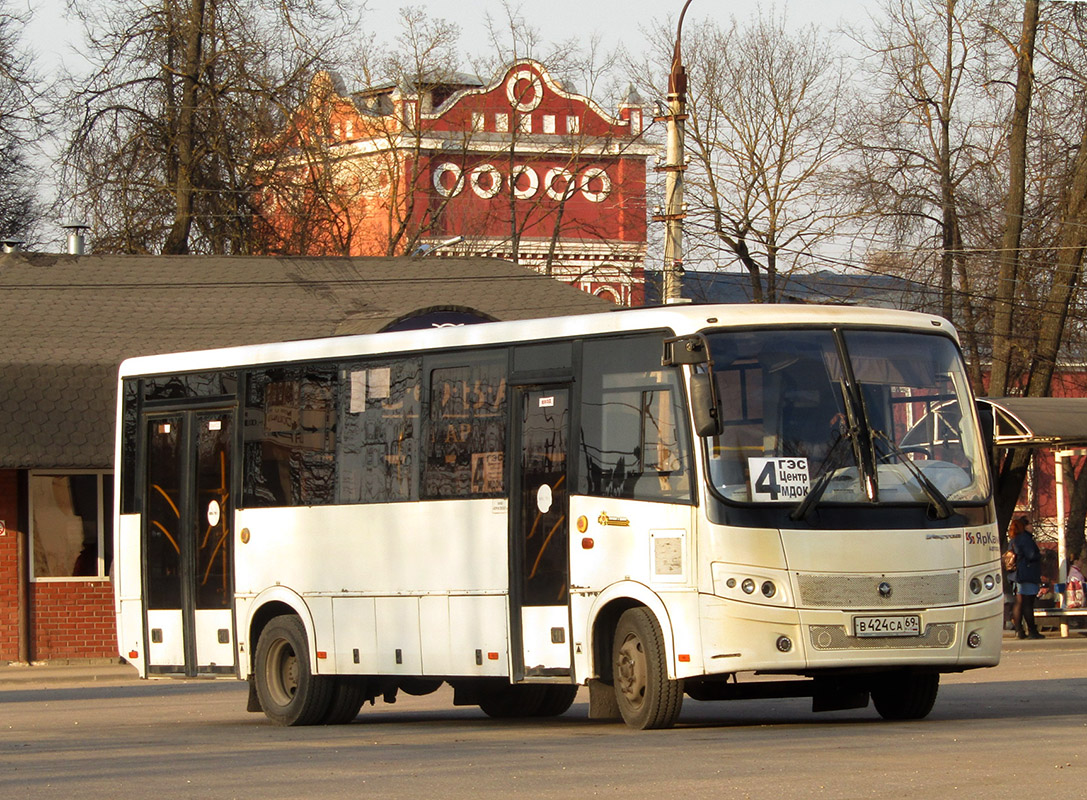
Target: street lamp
[674,167]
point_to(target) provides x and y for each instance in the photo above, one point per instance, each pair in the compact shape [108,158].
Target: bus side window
[377,453]
[634,434]
[290,437]
[465,443]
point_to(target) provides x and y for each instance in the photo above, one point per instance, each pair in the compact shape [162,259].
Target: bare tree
[924,145]
[163,153]
[20,120]
[764,100]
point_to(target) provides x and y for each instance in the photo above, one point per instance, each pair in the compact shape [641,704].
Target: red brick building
[520,169]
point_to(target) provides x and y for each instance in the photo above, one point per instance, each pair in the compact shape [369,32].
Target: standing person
[1028,577]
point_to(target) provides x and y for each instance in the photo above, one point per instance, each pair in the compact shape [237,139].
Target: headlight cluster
[983,582]
[754,586]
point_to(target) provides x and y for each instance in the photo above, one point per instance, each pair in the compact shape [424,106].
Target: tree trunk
[1013,213]
[947,198]
[1077,513]
[177,241]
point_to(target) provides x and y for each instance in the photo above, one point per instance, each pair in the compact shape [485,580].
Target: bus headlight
[768,589]
[990,582]
[748,586]
[975,585]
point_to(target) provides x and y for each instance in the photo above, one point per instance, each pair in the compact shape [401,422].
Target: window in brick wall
[71,524]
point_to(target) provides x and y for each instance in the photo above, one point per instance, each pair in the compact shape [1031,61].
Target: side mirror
[707,421]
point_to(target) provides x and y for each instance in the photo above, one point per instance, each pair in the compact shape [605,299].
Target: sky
[616,21]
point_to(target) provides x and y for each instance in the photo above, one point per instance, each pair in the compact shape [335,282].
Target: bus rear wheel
[556,701]
[348,694]
[647,698]
[511,702]
[289,692]
[900,696]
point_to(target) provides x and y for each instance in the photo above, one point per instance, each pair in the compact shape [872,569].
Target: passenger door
[541,575]
[187,542]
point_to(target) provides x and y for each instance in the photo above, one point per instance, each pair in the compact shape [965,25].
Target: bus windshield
[891,424]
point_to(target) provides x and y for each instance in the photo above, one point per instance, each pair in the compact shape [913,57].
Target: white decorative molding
[458,179]
[519,102]
[591,174]
[533,182]
[549,184]
[496,181]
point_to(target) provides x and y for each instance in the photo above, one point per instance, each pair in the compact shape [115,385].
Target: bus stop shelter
[1056,423]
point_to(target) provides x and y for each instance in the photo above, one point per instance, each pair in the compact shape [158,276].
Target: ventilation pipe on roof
[76,237]
[10,244]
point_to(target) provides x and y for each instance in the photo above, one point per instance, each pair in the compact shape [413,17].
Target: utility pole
[674,167]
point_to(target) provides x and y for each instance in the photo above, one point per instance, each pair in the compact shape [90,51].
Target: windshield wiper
[936,497]
[825,474]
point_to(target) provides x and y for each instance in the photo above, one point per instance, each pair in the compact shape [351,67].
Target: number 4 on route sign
[778,480]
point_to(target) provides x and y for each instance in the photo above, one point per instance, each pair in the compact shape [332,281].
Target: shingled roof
[70,320]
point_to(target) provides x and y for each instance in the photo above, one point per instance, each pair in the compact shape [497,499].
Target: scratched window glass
[466,434]
[377,459]
[290,436]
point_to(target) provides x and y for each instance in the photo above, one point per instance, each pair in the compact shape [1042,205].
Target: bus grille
[862,591]
[835,637]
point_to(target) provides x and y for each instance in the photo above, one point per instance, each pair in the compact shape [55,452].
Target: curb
[43,675]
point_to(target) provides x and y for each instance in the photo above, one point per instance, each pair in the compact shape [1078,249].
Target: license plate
[908,625]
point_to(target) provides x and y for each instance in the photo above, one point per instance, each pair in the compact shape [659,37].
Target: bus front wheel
[647,698]
[289,692]
[900,696]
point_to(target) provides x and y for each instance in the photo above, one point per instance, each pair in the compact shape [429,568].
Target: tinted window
[290,437]
[377,460]
[466,433]
[179,387]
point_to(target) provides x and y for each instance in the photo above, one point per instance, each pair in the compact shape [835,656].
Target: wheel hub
[630,674]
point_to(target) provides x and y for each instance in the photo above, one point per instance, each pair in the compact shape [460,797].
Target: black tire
[289,692]
[513,702]
[556,701]
[348,694]
[647,698]
[902,696]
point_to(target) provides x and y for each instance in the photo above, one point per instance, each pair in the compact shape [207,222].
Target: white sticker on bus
[778,480]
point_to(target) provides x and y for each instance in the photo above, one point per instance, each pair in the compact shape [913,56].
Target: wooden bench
[1061,615]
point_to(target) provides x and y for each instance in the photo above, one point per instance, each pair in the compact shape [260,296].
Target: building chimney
[76,237]
[10,244]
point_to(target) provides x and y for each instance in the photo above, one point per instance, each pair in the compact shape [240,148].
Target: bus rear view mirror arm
[707,419]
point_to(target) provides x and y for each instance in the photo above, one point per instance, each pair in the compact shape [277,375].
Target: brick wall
[68,619]
[73,619]
[9,574]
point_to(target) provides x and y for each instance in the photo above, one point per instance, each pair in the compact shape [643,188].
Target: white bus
[713,501]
